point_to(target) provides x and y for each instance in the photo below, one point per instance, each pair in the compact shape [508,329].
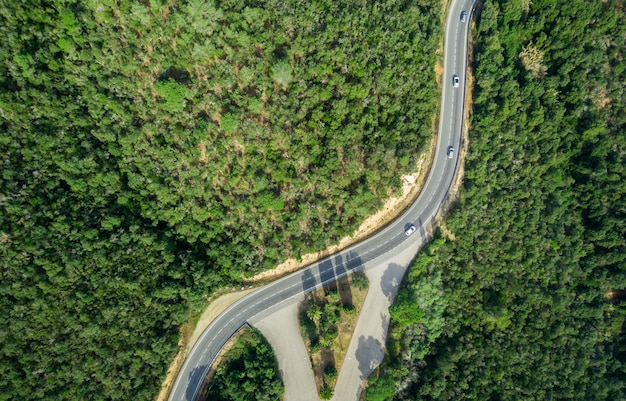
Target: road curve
[391,239]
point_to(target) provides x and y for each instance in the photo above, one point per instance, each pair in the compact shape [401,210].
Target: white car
[455,81]
[410,229]
[450,152]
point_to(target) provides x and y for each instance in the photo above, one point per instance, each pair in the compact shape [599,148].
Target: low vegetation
[327,321]
[525,302]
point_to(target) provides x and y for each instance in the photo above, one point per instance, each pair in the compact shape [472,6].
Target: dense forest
[247,372]
[524,300]
[151,151]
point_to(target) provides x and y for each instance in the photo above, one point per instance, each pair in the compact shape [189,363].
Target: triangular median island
[356,349]
[327,319]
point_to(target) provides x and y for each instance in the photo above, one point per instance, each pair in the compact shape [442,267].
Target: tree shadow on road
[369,354]
[391,280]
[327,272]
[334,275]
[343,284]
[196,381]
[308,282]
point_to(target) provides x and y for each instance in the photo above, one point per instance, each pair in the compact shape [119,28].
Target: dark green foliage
[540,223]
[349,309]
[381,388]
[249,372]
[151,151]
[360,281]
[330,373]
[326,392]
[403,310]
[319,320]
[309,327]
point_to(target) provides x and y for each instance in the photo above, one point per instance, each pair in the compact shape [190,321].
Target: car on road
[455,81]
[410,229]
[450,152]
[463,16]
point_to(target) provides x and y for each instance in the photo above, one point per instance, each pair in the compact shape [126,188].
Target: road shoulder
[282,331]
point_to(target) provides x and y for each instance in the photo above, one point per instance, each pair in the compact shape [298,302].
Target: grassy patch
[327,320]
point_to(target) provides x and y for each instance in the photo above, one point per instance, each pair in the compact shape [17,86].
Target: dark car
[463,16]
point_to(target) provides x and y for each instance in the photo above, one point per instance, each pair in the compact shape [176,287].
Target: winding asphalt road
[388,241]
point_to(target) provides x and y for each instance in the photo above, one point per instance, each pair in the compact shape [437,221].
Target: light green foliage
[230,122]
[403,310]
[173,94]
[326,392]
[281,74]
[417,314]
[381,388]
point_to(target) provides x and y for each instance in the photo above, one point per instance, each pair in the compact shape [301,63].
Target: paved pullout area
[281,328]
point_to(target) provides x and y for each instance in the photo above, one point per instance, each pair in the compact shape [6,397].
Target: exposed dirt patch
[444,11]
[600,97]
[393,206]
[439,71]
[440,49]
[446,232]
[616,296]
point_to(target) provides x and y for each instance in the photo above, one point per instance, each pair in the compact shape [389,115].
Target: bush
[349,309]
[360,281]
[330,372]
[326,393]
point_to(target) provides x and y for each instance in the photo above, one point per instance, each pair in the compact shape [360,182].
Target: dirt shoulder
[393,206]
[190,334]
[411,186]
